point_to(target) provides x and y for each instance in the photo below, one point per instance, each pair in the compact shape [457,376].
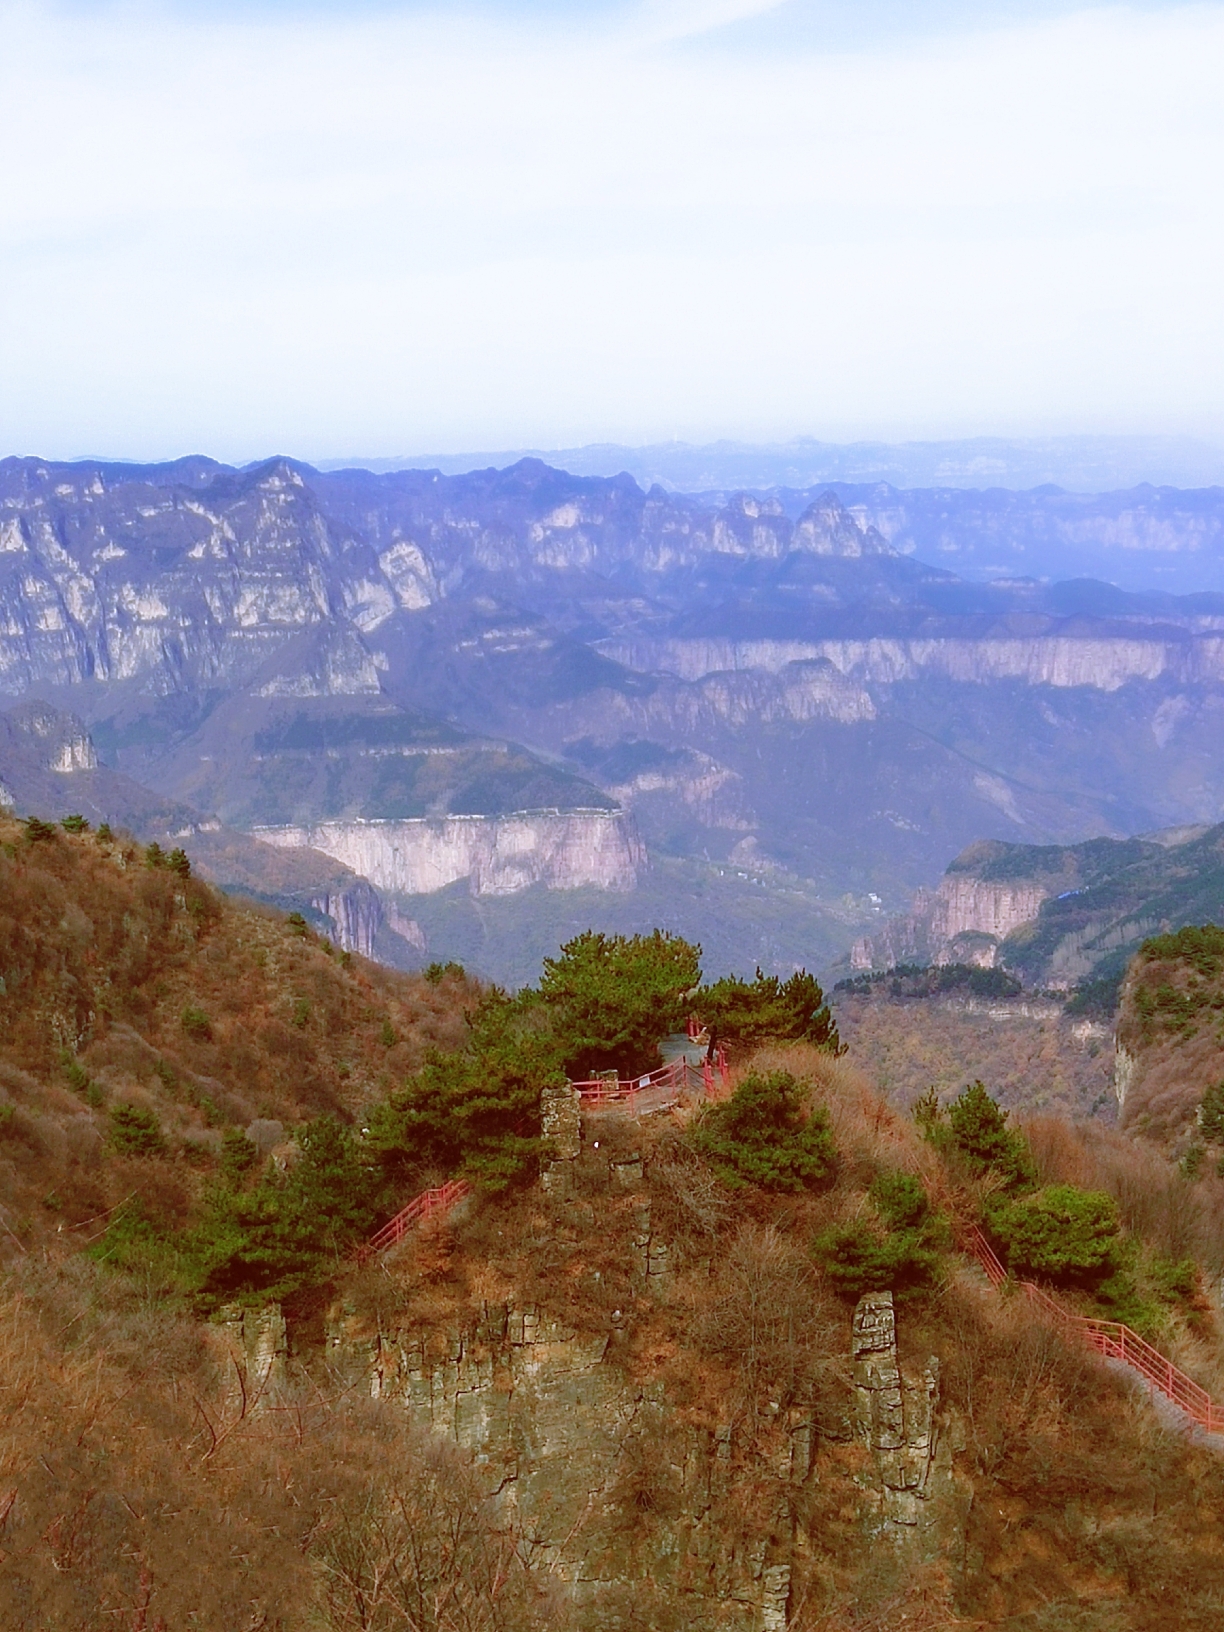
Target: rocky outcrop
[1126,1066]
[919,1500]
[498,855]
[357,914]
[1054,914]
[562,1433]
[964,921]
[616,1490]
[1104,664]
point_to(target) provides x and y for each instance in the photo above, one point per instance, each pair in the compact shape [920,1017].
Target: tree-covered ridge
[179,1025]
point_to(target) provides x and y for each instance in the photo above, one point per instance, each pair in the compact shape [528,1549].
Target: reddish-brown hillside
[125,982]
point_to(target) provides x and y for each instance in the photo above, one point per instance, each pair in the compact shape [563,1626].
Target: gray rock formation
[498,855]
[780,697]
[919,1500]
[1057,914]
[563,1435]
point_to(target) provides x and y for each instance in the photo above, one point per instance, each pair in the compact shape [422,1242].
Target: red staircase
[1111,1339]
[425,1206]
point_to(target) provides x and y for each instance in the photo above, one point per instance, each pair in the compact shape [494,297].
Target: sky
[402,228]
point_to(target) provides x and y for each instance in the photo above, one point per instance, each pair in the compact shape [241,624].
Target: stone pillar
[561,1126]
[258,1348]
[918,1495]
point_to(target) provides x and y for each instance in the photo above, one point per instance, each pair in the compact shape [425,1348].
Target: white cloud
[393,232]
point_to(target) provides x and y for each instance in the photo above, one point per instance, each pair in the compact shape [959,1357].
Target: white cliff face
[1126,1069]
[964,921]
[1105,664]
[356,913]
[967,905]
[498,855]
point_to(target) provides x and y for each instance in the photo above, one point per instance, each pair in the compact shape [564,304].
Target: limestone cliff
[1061,660]
[965,920]
[500,855]
[1057,914]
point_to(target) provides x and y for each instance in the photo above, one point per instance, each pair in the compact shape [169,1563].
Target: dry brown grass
[1177,1062]
[1040,1065]
[141,1489]
[102,957]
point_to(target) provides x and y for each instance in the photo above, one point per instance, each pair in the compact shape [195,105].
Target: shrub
[979,1133]
[39,832]
[1061,1233]
[749,1012]
[763,1136]
[287,1233]
[238,1154]
[104,834]
[134,1131]
[297,924]
[905,1255]
[858,1258]
[476,1112]
[1211,1114]
[436,973]
[79,1079]
[74,824]
[196,1024]
[1201,946]
[900,1200]
[609,999]
[1096,999]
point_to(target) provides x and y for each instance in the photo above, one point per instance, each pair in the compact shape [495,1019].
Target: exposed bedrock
[963,921]
[498,855]
[919,1498]
[1056,660]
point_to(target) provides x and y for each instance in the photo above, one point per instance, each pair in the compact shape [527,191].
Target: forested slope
[633,1381]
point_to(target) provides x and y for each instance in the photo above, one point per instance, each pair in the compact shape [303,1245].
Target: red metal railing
[1111,1339]
[597,1091]
[427,1205]
[678,1075]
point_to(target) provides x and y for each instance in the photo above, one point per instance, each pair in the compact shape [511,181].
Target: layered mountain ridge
[760,689]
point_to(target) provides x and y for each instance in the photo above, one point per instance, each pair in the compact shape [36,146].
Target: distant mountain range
[1081,464]
[515,700]
[1143,513]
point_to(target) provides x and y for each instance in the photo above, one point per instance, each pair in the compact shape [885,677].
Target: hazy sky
[414,227]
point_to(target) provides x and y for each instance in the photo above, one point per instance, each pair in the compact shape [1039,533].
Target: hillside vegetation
[1171,1034]
[914,1028]
[205,1106]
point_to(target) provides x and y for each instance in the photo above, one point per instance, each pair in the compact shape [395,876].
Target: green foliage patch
[749,1012]
[134,1131]
[974,1129]
[609,999]
[765,1136]
[901,1249]
[1199,945]
[196,1023]
[1060,1233]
